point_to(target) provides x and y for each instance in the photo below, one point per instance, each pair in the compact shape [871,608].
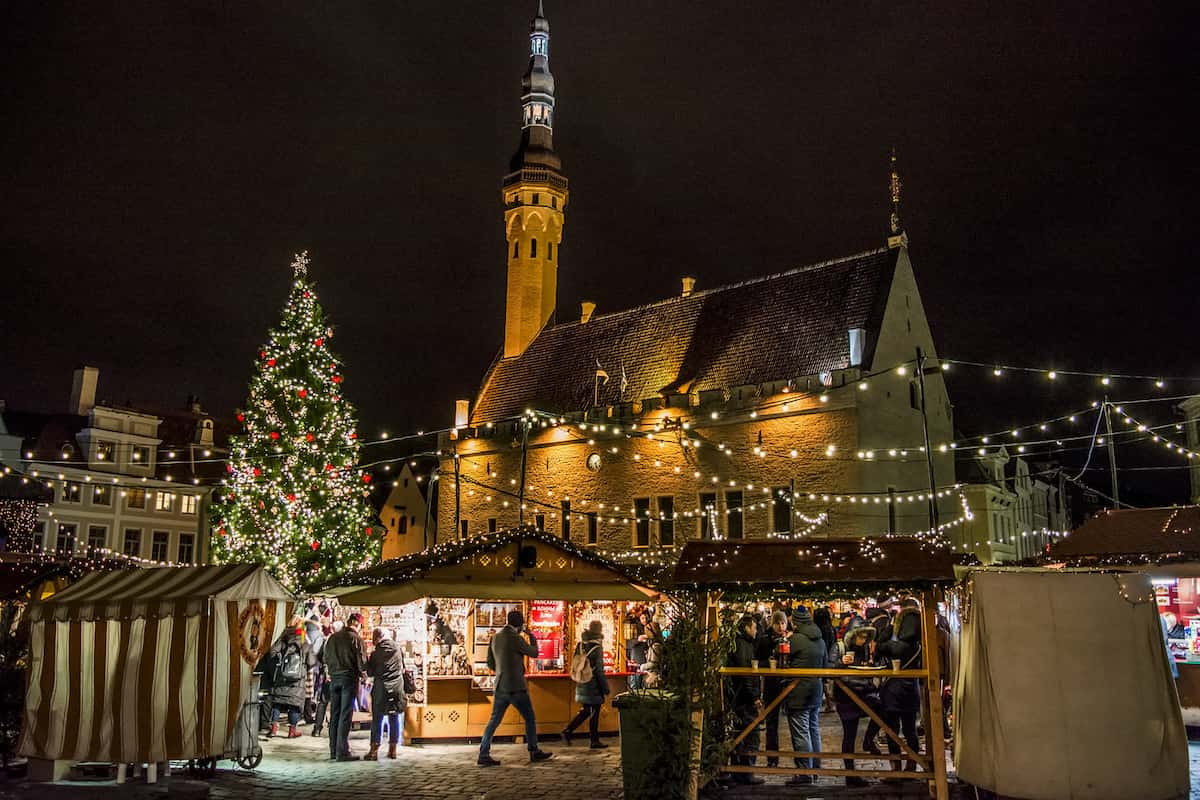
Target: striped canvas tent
[148,665]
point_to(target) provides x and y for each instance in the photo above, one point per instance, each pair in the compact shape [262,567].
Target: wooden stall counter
[457,709]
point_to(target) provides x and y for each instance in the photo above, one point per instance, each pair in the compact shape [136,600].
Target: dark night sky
[164,160]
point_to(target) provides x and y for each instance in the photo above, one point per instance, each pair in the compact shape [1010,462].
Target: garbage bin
[655,744]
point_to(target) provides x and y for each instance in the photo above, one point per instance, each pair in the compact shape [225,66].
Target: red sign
[546,622]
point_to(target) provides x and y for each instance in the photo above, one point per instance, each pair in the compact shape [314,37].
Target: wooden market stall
[148,665]
[835,568]
[473,584]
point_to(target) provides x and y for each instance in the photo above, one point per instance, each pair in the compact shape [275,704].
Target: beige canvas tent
[1063,689]
[147,665]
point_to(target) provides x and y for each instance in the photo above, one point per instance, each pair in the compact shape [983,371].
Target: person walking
[293,659]
[777,633]
[591,684]
[804,702]
[344,660]
[900,698]
[745,693]
[386,667]
[855,650]
[506,657]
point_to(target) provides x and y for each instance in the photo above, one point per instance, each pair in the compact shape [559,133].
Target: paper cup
[771,663]
[895,665]
[754,665]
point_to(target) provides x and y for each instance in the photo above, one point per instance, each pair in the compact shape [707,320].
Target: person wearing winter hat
[590,694]
[506,657]
[294,660]
[804,701]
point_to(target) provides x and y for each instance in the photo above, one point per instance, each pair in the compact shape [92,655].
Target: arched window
[533,248]
[516,249]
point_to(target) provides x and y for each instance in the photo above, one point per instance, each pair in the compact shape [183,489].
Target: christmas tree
[294,498]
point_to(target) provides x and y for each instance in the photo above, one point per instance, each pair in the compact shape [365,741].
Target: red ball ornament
[329,467]
[369,530]
[229,467]
[354,436]
[366,478]
[270,362]
[309,436]
[241,417]
[316,545]
[291,498]
[223,532]
[257,472]
[262,353]
[337,378]
[319,342]
[274,434]
[303,393]
[307,295]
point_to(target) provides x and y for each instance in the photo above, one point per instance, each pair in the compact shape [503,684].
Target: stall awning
[159,592]
[490,566]
[839,565]
[1133,536]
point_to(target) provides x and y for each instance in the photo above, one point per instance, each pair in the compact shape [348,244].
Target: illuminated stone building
[787,404]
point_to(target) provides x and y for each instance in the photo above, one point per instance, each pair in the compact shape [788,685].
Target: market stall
[1063,689]
[148,665]
[446,603]
[1163,543]
[749,571]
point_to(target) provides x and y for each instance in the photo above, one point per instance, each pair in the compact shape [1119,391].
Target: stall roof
[1134,536]
[159,592]
[485,567]
[835,565]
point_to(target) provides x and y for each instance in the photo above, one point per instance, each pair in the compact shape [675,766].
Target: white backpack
[581,664]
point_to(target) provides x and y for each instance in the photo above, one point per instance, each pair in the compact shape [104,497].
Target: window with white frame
[102,495]
[188,504]
[187,548]
[66,537]
[133,542]
[159,542]
[106,452]
[97,537]
[140,455]
[165,501]
[72,492]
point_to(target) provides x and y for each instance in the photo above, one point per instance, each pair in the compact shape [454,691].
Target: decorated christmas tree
[294,499]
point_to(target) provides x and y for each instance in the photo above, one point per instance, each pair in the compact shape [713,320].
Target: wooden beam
[815,672]
[762,715]
[822,754]
[935,743]
[833,773]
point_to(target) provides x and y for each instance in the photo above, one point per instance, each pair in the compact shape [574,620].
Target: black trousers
[905,724]
[849,718]
[590,712]
[744,716]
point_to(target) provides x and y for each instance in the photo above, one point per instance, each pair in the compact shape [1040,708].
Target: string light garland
[1106,378]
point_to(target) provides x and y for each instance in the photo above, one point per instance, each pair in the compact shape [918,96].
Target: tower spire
[896,235]
[535,195]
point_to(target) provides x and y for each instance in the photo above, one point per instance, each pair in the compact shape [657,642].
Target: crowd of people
[323,666]
[801,637]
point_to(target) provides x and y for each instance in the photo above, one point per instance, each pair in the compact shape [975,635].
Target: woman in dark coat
[901,697]
[855,650]
[386,668]
[294,661]
[590,694]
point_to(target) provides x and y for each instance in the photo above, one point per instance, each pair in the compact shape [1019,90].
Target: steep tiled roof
[1135,532]
[773,328]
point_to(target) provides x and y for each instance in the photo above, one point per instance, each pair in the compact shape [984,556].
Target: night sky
[162,162]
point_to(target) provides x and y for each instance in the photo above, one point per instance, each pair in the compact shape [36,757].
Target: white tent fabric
[1063,689]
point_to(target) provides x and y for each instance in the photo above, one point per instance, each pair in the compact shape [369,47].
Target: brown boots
[372,754]
[392,750]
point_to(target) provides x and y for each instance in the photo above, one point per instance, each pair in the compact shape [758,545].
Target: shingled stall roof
[778,327]
[820,566]
[1133,536]
[485,567]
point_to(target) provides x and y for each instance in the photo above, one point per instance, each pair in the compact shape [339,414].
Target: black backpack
[291,665]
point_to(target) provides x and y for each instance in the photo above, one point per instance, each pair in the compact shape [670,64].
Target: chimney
[858,344]
[586,309]
[83,390]
[462,410]
[689,283]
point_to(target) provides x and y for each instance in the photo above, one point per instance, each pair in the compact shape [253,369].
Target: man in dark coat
[293,661]
[745,695]
[901,697]
[804,702]
[344,660]
[386,667]
[506,657]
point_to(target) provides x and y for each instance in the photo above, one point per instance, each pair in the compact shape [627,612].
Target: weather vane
[300,264]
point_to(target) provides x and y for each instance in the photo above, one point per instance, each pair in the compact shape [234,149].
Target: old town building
[123,479]
[786,404]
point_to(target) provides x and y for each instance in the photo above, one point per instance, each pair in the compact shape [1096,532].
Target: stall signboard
[546,623]
[606,612]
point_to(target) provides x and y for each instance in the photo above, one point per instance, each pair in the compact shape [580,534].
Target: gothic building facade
[788,404]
